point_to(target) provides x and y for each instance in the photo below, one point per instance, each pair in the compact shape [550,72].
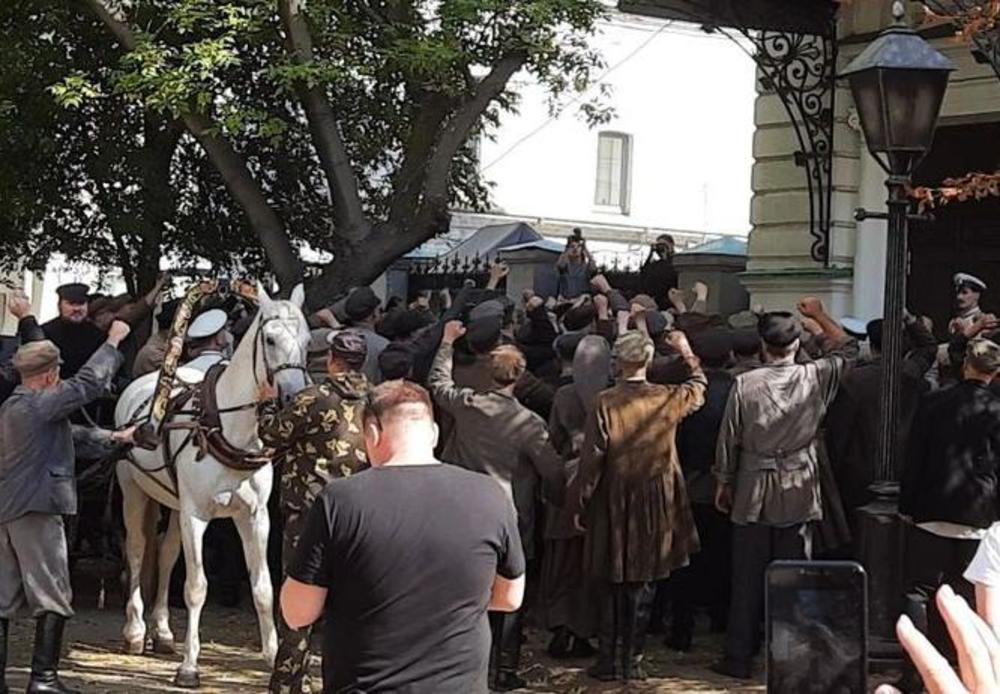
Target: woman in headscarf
[569,609]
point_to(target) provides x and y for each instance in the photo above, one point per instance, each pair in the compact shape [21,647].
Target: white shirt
[985,566]
[202,363]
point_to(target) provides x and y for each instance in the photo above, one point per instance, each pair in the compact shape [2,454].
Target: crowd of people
[631,461]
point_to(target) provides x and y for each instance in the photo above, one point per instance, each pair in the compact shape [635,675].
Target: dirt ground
[229,662]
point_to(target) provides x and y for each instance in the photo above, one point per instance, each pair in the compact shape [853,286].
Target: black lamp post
[898,83]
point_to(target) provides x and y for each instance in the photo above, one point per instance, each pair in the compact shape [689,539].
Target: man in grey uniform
[37,488]
[209,340]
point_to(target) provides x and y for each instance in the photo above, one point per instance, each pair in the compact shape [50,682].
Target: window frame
[624,204]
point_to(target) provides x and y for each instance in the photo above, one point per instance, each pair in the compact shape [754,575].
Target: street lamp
[898,83]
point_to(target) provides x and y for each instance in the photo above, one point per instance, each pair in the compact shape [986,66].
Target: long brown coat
[639,522]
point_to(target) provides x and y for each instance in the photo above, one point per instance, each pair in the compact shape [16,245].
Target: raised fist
[118,331]
[811,307]
[19,305]
[453,330]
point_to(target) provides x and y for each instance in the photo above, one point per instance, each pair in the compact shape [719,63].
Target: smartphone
[817,627]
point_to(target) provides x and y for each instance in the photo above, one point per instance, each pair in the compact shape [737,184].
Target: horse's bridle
[272,371]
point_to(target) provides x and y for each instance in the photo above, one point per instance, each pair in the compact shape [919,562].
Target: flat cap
[483,334]
[74,292]
[779,328]
[712,345]
[349,345]
[37,357]
[964,280]
[657,323]
[207,323]
[646,301]
[580,316]
[487,309]
[743,320]
[633,348]
[565,345]
[361,303]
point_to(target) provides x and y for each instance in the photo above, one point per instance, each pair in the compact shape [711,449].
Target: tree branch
[232,167]
[352,224]
[456,130]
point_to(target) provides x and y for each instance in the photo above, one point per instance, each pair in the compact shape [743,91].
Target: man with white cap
[209,340]
[968,291]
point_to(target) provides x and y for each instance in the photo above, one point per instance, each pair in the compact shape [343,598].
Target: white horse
[273,348]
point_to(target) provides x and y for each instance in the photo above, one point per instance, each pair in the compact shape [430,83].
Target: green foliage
[394,71]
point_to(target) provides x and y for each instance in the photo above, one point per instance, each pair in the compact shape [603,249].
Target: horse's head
[282,343]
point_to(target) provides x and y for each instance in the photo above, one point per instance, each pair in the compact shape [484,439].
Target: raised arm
[691,393]
[440,381]
[90,382]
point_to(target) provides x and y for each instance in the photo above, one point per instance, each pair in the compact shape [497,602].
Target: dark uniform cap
[361,303]
[349,345]
[37,357]
[404,322]
[779,328]
[396,361]
[656,323]
[712,345]
[746,343]
[565,345]
[579,317]
[74,293]
[483,334]
[493,307]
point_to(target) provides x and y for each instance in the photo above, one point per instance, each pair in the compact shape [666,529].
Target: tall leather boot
[45,661]
[606,668]
[4,634]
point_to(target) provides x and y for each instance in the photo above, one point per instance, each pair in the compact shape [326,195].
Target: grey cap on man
[36,358]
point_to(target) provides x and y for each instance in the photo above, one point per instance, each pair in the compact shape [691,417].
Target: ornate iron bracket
[801,70]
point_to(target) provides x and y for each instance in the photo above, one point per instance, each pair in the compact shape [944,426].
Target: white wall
[687,99]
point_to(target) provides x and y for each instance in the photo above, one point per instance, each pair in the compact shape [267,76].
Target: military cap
[779,328]
[746,343]
[854,326]
[207,323]
[74,292]
[33,358]
[964,280]
[361,303]
[633,348]
[349,345]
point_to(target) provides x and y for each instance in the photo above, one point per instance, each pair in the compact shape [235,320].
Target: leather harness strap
[211,439]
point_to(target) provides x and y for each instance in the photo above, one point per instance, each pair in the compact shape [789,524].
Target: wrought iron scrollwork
[986,40]
[801,70]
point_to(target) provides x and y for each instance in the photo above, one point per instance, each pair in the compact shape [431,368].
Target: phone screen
[816,628]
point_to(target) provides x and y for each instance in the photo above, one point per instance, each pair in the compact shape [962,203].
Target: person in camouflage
[318,437]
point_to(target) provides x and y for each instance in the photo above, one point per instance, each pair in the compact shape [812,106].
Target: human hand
[676,297]
[601,306]
[985,322]
[811,307]
[497,272]
[724,498]
[266,391]
[811,326]
[125,436]
[326,317]
[700,290]
[534,302]
[600,284]
[118,331]
[678,340]
[976,644]
[453,330]
[19,304]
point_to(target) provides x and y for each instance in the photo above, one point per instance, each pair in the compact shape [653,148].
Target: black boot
[681,631]
[4,633]
[45,661]
[562,641]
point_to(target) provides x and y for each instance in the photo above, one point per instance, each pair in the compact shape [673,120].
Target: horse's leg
[170,549]
[134,503]
[254,528]
[195,591]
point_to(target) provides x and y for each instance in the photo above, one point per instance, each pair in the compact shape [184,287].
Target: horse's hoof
[164,646]
[136,647]
[188,679]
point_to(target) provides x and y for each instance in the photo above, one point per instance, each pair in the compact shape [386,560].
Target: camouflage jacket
[317,437]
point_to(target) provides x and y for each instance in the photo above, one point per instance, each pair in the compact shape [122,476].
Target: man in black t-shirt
[404,560]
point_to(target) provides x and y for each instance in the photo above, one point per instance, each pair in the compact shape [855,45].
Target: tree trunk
[159,201]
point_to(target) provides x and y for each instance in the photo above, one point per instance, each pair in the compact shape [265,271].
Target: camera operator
[658,276]
[575,266]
